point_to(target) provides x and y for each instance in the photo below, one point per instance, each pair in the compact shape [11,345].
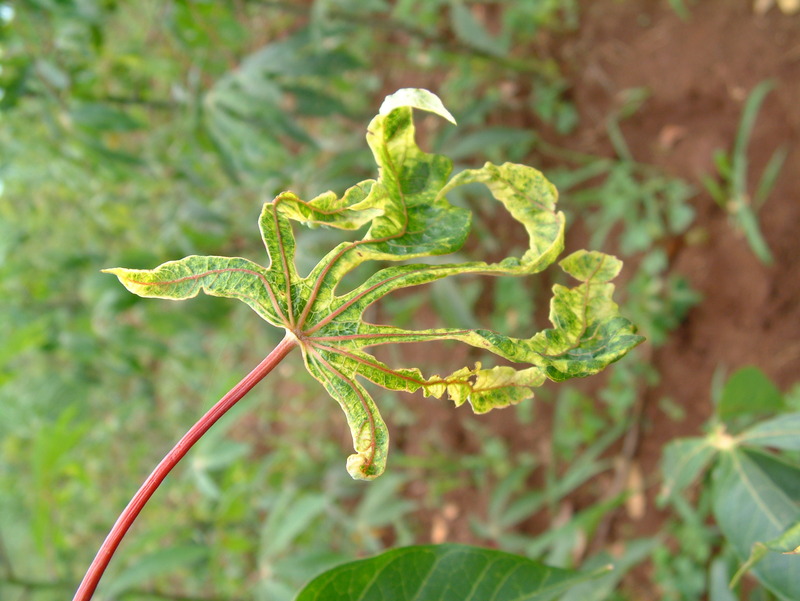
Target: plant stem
[154,480]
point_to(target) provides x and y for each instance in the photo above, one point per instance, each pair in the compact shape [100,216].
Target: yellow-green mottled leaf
[348,212]
[591,265]
[230,277]
[407,217]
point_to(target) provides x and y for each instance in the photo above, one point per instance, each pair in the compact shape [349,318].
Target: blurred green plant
[730,189]
[512,502]
[639,201]
[750,456]
[679,6]
[636,210]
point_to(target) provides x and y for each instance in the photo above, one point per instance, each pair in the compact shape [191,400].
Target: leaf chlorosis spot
[409,218]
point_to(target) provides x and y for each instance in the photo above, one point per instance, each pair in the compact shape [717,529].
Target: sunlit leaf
[408,216]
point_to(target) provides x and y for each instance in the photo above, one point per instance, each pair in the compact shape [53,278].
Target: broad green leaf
[719,582]
[782,432]
[752,504]
[442,573]
[787,543]
[683,461]
[748,391]
[407,216]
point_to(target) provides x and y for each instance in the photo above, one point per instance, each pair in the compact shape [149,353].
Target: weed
[732,192]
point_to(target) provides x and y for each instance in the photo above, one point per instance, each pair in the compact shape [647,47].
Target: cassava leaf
[755,502]
[444,572]
[787,543]
[782,432]
[409,217]
[683,461]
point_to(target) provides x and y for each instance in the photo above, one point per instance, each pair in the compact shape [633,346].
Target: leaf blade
[442,572]
[407,216]
[229,277]
[782,432]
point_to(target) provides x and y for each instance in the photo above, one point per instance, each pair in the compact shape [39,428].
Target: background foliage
[132,133]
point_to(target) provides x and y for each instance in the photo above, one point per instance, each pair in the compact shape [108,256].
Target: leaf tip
[418,98]
[361,468]
[119,272]
[586,265]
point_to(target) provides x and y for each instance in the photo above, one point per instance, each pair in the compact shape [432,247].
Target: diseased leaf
[441,573]
[409,217]
[415,98]
[216,276]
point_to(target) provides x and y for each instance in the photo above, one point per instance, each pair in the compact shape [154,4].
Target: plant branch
[154,480]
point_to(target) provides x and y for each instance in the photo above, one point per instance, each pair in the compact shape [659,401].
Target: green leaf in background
[155,564]
[782,432]
[683,462]
[602,588]
[471,32]
[443,573]
[787,543]
[756,501]
[408,217]
[719,588]
[102,118]
[748,391]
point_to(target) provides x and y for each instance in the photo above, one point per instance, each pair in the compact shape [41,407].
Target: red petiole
[154,480]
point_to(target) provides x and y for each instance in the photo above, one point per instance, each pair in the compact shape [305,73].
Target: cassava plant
[408,217]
